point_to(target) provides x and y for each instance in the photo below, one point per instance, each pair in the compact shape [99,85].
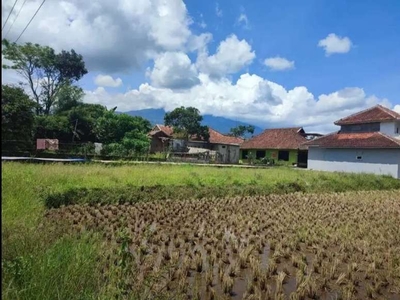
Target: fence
[18,148]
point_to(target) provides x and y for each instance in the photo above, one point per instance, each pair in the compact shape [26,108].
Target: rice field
[296,246]
[184,232]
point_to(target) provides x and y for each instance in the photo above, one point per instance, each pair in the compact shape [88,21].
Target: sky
[272,63]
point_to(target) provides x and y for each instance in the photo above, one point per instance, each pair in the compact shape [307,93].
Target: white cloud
[251,98]
[199,42]
[231,56]
[174,70]
[112,36]
[279,63]
[243,20]
[218,11]
[335,44]
[107,81]
[397,108]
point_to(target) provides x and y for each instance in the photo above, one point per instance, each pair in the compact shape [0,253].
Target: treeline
[54,107]
[49,104]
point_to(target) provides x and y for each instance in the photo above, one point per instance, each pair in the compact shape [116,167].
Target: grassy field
[64,253]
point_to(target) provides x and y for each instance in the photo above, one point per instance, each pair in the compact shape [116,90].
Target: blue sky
[272,63]
[292,29]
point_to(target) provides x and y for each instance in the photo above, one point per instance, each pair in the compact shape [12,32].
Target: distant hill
[223,125]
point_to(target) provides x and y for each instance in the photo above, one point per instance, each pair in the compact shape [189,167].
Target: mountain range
[221,124]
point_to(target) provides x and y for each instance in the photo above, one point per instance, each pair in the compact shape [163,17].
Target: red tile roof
[215,136]
[219,138]
[279,138]
[377,113]
[355,140]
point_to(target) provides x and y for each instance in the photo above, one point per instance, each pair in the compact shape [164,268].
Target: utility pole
[73,134]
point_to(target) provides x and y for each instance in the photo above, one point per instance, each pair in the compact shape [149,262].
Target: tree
[45,71]
[240,131]
[68,97]
[17,118]
[186,121]
[112,127]
[83,119]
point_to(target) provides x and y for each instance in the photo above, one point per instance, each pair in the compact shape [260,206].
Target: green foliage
[45,71]
[54,127]
[83,119]
[241,130]
[17,119]
[186,121]
[112,127]
[68,97]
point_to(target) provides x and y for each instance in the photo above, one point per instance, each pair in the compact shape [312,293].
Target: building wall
[388,128]
[270,153]
[230,153]
[377,161]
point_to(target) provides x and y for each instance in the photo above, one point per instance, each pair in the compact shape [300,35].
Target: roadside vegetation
[92,231]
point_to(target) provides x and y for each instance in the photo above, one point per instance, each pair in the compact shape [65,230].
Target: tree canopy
[186,122]
[17,118]
[45,72]
[241,130]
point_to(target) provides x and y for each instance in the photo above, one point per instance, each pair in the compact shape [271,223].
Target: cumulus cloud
[397,108]
[174,70]
[199,42]
[279,63]
[335,44]
[107,81]
[251,98]
[232,55]
[112,36]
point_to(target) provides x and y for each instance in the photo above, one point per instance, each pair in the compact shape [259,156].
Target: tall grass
[46,262]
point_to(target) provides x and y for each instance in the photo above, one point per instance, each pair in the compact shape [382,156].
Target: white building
[368,142]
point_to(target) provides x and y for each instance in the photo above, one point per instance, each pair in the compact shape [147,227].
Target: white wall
[377,161]
[388,128]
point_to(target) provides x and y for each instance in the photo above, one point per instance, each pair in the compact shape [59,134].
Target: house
[367,142]
[285,144]
[160,136]
[226,147]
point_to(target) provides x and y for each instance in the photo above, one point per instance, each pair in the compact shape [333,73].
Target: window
[223,147]
[245,153]
[283,155]
[397,130]
[260,154]
[359,157]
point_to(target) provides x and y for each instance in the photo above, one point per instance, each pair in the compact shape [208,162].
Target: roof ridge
[391,112]
[357,113]
[321,137]
[389,137]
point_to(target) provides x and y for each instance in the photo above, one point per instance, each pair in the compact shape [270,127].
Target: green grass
[45,262]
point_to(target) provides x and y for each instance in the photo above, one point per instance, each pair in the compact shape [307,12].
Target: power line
[30,21]
[9,14]
[15,18]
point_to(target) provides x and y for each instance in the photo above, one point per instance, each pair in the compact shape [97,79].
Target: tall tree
[17,118]
[113,127]
[186,121]
[241,130]
[68,97]
[45,71]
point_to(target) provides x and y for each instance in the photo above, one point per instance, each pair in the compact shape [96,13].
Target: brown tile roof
[166,129]
[279,138]
[355,140]
[215,136]
[219,138]
[377,113]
